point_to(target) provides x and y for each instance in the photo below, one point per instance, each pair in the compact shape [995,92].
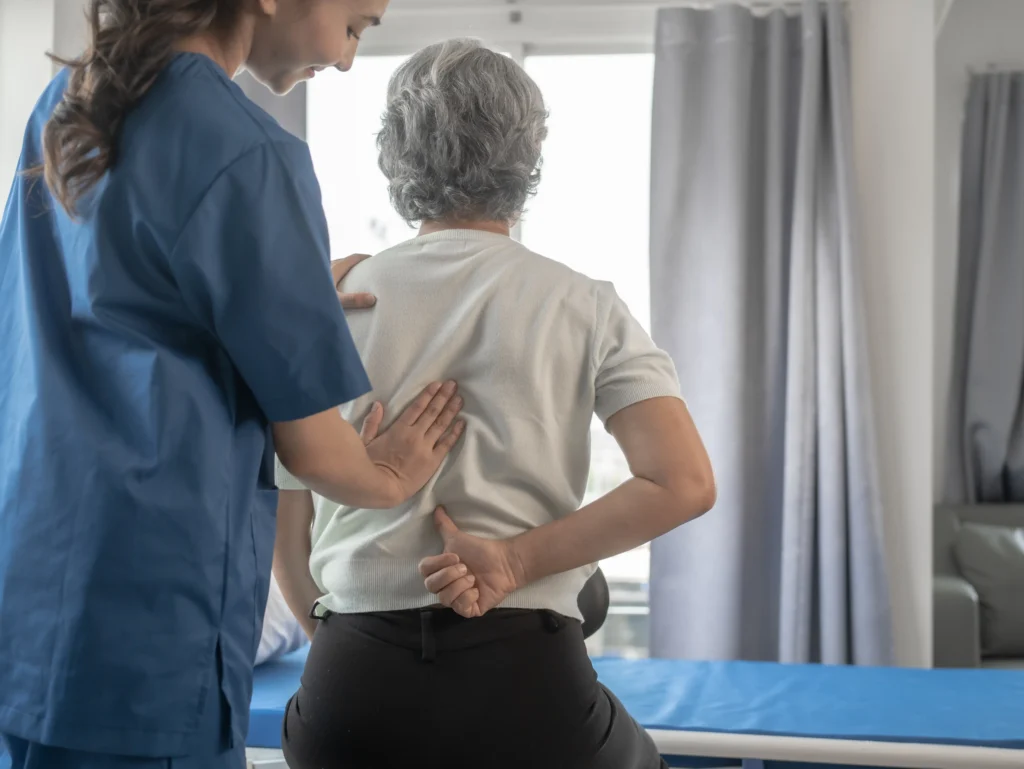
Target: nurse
[166,304]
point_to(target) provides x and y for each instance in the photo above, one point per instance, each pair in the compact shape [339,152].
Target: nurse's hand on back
[327,454]
[339,269]
[404,457]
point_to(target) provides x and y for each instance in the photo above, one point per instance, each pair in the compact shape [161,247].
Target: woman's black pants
[424,689]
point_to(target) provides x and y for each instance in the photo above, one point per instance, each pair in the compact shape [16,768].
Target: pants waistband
[437,628]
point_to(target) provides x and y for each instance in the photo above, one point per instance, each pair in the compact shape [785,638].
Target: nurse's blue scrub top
[144,351]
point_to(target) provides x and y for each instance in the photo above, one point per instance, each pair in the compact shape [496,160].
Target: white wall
[70,29]
[26,33]
[977,34]
[28,30]
[288,110]
[892,60]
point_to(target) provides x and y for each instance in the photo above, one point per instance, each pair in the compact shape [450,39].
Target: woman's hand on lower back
[473,575]
[412,448]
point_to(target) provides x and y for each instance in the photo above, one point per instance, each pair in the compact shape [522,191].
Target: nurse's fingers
[371,425]
[356,301]
[433,563]
[444,419]
[418,406]
[437,405]
[340,268]
[450,438]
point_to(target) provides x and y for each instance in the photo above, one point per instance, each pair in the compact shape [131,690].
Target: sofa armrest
[957,625]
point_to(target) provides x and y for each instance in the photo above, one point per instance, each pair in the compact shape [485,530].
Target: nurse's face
[295,39]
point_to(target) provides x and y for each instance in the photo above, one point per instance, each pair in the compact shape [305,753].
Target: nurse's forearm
[292,548]
[327,455]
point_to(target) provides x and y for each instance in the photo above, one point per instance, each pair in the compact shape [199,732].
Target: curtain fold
[756,294]
[985,440]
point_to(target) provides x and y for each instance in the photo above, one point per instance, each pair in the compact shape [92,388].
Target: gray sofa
[959,613]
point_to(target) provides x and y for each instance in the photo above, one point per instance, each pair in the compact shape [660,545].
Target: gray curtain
[755,293]
[985,442]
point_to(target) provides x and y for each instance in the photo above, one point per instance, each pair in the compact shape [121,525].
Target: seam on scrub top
[209,187]
[141,732]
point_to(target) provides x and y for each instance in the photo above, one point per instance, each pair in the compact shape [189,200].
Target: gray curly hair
[462,134]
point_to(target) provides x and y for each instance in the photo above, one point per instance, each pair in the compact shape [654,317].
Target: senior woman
[394,677]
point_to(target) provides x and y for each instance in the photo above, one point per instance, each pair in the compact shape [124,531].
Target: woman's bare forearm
[672,484]
[292,548]
[605,528]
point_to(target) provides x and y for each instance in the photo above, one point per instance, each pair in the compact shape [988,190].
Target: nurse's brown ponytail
[131,41]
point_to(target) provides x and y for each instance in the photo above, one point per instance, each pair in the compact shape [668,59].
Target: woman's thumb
[445,525]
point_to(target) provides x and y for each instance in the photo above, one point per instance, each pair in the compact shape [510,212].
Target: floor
[264,758]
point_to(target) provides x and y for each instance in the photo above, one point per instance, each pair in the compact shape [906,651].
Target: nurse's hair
[462,134]
[130,43]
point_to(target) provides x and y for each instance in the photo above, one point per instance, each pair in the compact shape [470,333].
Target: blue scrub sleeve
[253,263]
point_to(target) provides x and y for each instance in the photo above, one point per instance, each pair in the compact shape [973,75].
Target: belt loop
[552,622]
[319,612]
[427,636]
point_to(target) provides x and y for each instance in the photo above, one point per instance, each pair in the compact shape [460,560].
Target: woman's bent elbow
[696,495]
[707,495]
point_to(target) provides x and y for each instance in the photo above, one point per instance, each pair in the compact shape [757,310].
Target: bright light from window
[344,112]
[591,212]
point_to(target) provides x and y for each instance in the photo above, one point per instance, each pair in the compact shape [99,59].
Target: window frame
[529,28]
[573,27]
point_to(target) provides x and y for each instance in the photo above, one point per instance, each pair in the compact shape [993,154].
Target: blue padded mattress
[979,708]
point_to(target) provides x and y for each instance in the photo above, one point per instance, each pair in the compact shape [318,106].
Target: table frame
[752,747]
[906,755]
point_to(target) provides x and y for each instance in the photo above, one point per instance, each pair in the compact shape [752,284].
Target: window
[344,111]
[591,212]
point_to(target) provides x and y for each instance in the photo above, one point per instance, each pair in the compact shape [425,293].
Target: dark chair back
[593,602]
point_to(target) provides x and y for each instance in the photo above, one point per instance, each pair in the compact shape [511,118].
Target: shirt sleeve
[284,479]
[252,264]
[629,367]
